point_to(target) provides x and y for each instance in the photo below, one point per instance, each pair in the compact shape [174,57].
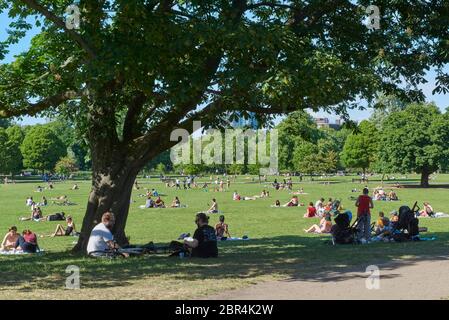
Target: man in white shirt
[101,238]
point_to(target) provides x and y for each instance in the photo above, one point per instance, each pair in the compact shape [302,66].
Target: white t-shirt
[98,239]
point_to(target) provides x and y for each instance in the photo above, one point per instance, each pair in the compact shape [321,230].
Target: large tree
[135,70]
[361,147]
[42,148]
[415,140]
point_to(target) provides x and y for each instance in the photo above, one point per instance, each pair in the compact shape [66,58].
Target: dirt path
[405,279]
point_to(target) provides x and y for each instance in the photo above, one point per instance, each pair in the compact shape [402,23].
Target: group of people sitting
[25,242]
[203,244]
[285,185]
[159,203]
[379,194]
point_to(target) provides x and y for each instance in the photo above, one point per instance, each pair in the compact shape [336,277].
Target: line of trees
[52,147]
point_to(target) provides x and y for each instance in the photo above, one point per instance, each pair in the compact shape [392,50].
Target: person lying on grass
[311,211]
[70,229]
[324,226]
[222,229]
[27,242]
[101,240]
[204,242]
[10,239]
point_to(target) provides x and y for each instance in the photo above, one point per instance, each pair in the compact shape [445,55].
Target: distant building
[325,123]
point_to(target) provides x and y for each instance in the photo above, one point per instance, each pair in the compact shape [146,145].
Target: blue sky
[442,101]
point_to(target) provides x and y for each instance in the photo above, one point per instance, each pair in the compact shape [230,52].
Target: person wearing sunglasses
[204,242]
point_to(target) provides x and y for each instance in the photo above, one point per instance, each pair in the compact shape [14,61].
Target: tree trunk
[425,174]
[110,192]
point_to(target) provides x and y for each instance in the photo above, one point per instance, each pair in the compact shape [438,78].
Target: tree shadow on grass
[292,257]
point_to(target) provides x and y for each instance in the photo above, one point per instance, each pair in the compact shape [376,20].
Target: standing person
[178,187]
[364,205]
[204,243]
[228,183]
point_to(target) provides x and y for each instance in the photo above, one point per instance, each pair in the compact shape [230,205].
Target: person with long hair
[10,239]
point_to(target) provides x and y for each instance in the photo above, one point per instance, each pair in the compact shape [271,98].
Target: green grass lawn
[278,248]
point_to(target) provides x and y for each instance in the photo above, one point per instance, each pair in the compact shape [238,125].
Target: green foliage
[66,166]
[161,168]
[10,155]
[360,149]
[4,123]
[297,129]
[415,140]
[41,148]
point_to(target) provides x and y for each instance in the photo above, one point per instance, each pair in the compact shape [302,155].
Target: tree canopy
[41,148]
[415,140]
[360,149]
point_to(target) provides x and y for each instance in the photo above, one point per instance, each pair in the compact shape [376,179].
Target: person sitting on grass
[324,226]
[101,240]
[293,202]
[264,194]
[29,201]
[381,223]
[75,187]
[43,203]
[70,230]
[27,242]
[204,242]
[214,207]
[392,196]
[36,215]
[427,211]
[236,196]
[159,203]
[311,211]
[10,239]
[175,203]
[394,217]
[222,229]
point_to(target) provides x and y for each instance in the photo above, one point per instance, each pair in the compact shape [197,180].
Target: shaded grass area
[278,248]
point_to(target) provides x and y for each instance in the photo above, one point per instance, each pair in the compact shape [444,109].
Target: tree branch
[60,23]
[268,4]
[35,108]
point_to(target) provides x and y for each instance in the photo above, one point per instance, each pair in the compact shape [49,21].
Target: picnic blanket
[19,252]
